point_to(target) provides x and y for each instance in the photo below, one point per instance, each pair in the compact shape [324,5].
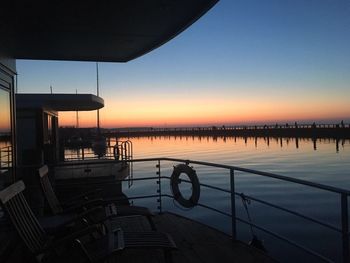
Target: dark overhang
[118,30]
[59,102]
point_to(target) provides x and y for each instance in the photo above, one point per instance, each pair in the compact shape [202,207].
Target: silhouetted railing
[87,153]
[239,127]
[290,130]
[343,194]
[123,151]
[343,231]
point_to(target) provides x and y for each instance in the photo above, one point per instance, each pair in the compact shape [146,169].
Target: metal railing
[86,153]
[343,195]
[124,151]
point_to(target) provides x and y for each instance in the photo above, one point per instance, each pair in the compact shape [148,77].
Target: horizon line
[252,123]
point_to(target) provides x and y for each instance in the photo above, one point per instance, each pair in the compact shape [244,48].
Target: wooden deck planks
[131,223]
[199,243]
[196,242]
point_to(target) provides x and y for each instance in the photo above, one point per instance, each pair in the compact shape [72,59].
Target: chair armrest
[85,214]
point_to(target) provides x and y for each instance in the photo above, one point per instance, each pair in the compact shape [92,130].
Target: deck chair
[77,206]
[78,246]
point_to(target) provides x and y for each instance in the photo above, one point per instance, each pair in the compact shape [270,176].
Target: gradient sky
[245,61]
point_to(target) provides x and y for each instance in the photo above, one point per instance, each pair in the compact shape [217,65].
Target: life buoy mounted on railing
[175,181]
[116,152]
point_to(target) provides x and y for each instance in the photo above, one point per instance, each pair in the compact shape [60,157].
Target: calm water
[322,161]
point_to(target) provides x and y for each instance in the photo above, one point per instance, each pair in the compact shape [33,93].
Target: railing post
[233,205]
[345,227]
[159,200]
[121,151]
[9,154]
[125,151]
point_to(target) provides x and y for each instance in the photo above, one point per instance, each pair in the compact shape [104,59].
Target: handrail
[267,174]
[342,192]
[268,204]
[276,176]
[125,153]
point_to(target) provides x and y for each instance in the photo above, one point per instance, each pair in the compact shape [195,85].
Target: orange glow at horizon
[190,111]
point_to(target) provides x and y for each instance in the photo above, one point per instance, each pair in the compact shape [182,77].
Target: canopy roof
[118,30]
[59,102]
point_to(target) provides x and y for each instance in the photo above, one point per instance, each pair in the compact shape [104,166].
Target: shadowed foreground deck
[196,242]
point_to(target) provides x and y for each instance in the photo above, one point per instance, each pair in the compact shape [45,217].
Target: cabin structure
[37,124]
[117,31]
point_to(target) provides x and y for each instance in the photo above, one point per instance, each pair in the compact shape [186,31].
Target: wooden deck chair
[76,206]
[48,248]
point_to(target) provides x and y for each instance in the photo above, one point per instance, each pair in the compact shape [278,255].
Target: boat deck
[195,241]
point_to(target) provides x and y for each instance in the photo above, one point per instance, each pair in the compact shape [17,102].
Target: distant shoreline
[336,131]
[306,131]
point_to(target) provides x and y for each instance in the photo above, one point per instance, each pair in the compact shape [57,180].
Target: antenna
[98,93]
[16,83]
[76,113]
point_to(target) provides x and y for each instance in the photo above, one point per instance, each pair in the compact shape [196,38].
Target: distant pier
[296,130]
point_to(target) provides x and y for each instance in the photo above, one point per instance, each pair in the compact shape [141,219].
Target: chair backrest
[48,191]
[22,217]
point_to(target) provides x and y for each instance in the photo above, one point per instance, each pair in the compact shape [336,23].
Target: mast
[76,113]
[98,93]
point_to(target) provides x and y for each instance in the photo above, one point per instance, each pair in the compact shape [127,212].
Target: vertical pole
[233,205]
[345,227]
[121,151]
[98,94]
[159,188]
[8,157]
[76,114]
[125,151]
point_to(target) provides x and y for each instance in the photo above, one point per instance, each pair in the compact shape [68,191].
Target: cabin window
[5,136]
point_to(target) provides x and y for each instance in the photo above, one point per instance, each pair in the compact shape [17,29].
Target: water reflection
[318,160]
[257,141]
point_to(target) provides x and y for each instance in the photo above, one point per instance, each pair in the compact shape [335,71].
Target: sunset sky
[245,61]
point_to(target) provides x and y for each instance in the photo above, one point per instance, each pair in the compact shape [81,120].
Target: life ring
[175,181]
[116,152]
